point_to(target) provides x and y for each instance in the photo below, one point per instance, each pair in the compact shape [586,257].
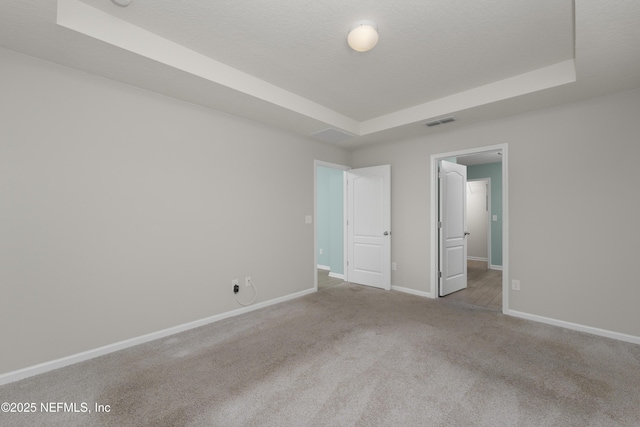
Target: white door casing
[434,202]
[453,231]
[369,226]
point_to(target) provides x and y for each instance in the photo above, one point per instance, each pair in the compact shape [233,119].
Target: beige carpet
[351,356]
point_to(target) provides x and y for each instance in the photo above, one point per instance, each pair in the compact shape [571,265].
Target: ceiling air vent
[441,121]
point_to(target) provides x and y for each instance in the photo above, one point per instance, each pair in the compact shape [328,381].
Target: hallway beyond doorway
[484,287]
[325,281]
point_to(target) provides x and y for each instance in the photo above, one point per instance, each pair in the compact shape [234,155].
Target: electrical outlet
[320,251]
[515,285]
[247,281]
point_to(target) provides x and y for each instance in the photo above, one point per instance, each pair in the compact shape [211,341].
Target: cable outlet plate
[235,284]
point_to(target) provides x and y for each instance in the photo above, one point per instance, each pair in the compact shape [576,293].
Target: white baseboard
[323,267]
[411,291]
[575,326]
[491,266]
[336,276]
[41,368]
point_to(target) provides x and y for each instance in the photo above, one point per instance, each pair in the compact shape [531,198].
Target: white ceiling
[287,64]
[480,158]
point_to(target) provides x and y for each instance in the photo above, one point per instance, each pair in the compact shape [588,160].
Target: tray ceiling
[288,64]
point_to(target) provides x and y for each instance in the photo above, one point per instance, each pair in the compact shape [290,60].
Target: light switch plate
[308,219]
[495,217]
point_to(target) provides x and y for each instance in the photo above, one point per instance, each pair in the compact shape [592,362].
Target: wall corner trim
[42,368]
[575,326]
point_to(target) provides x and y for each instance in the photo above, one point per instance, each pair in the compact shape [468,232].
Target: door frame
[488,181]
[433,223]
[344,168]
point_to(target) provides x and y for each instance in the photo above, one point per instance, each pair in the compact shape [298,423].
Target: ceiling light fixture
[363,36]
[123,3]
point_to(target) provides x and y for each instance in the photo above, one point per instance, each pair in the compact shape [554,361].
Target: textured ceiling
[287,63]
[425,52]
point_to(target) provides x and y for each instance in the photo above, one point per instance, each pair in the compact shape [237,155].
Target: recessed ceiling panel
[290,66]
[427,50]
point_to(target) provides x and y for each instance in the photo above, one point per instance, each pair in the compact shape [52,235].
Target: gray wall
[573,207]
[123,212]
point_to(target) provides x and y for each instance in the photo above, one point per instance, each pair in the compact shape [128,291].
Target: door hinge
[440,274]
[439,224]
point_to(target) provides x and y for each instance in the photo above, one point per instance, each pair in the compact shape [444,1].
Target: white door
[453,231]
[369,226]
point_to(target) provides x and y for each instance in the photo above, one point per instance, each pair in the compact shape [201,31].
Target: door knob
[386,233]
[466,233]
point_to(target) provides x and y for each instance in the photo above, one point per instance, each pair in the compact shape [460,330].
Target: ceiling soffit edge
[85,19]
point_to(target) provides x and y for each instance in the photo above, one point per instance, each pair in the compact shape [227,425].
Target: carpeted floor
[351,356]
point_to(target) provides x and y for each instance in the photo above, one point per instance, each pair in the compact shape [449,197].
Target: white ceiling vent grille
[332,135]
[441,121]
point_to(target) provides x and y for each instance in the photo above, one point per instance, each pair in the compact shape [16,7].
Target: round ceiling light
[123,3]
[363,36]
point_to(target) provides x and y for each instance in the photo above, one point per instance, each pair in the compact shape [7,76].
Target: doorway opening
[352,232]
[484,287]
[484,162]
[484,280]
[479,219]
[330,224]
